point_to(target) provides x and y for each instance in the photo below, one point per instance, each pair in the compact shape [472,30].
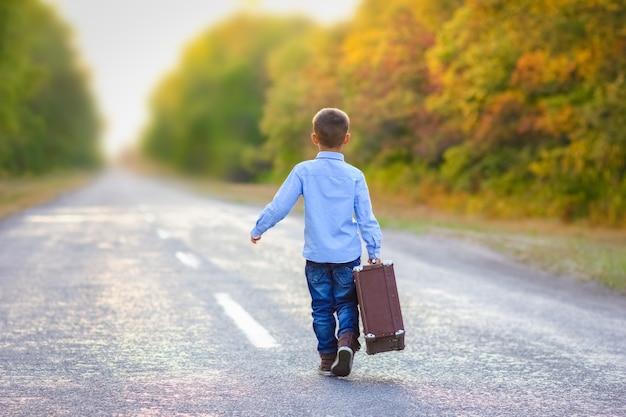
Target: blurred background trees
[508,109]
[206,115]
[526,84]
[48,119]
[503,108]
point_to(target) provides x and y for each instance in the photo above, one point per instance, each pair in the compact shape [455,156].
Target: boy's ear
[315,139]
[346,139]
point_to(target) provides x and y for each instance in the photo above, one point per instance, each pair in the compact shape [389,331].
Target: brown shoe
[349,339]
[348,345]
[327,361]
[343,364]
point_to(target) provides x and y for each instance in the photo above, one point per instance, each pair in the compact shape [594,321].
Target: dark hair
[331,126]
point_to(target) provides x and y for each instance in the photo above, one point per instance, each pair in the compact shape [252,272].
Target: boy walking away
[336,207]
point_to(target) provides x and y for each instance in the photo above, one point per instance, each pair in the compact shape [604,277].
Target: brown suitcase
[376,288]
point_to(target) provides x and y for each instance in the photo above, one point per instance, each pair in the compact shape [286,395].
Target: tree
[386,80]
[206,115]
[374,68]
[304,78]
[47,116]
[526,84]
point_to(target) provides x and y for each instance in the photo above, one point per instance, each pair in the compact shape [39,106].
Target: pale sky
[129,45]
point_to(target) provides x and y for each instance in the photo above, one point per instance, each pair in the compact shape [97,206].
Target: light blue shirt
[336,207]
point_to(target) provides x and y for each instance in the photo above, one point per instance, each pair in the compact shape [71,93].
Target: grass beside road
[17,194]
[578,251]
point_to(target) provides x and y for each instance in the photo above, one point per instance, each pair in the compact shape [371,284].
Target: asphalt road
[129,298]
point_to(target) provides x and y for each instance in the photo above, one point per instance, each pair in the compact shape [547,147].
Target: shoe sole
[325,373]
[343,364]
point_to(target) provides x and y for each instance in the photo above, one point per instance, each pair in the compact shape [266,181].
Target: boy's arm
[370,229]
[284,200]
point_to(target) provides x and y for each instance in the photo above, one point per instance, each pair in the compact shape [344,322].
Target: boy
[333,192]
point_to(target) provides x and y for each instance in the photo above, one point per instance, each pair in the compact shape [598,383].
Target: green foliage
[505,108]
[303,80]
[206,115]
[47,117]
[527,84]
[386,81]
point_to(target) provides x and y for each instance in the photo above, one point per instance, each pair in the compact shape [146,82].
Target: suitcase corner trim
[392,343]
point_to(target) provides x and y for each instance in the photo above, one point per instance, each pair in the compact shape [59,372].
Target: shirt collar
[330,155]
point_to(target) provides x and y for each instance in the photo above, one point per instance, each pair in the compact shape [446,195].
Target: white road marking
[256,333]
[163,234]
[188,259]
[81,218]
[59,218]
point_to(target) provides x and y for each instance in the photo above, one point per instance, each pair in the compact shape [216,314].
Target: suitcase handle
[387,262]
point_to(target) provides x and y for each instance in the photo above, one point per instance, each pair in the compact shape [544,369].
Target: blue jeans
[332,292]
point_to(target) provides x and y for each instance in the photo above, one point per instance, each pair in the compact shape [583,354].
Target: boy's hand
[255,239]
[374,261]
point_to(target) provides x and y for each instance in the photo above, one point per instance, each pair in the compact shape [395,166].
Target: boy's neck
[326,149]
